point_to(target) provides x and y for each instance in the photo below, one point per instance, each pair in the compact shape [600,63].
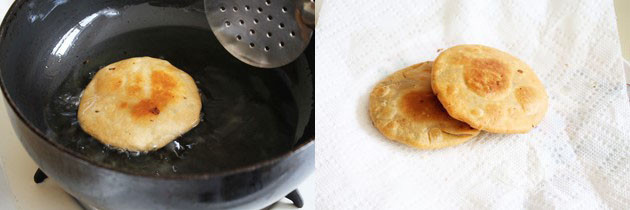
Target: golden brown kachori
[139,104]
[488,89]
[404,109]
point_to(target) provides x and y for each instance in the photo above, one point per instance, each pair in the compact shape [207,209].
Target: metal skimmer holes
[261,27]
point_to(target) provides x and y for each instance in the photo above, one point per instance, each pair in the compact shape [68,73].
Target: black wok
[255,143]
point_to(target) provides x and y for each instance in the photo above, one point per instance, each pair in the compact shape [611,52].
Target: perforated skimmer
[262,33]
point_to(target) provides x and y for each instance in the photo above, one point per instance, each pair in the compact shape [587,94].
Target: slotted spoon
[262,33]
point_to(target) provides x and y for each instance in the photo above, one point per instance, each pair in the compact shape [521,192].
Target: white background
[575,158]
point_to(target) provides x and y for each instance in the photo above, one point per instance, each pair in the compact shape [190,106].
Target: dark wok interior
[249,115]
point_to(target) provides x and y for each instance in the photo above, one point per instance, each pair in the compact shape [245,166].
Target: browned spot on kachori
[486,76]
[134,90]
[422,106]
[162,85]
[155,111]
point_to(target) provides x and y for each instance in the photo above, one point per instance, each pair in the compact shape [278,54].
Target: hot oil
[248,114]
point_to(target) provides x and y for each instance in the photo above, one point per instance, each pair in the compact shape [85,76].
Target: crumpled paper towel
[577,158]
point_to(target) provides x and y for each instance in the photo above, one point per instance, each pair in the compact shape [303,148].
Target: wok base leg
[40,176]
[296,198]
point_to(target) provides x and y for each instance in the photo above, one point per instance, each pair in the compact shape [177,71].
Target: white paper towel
[577,158]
